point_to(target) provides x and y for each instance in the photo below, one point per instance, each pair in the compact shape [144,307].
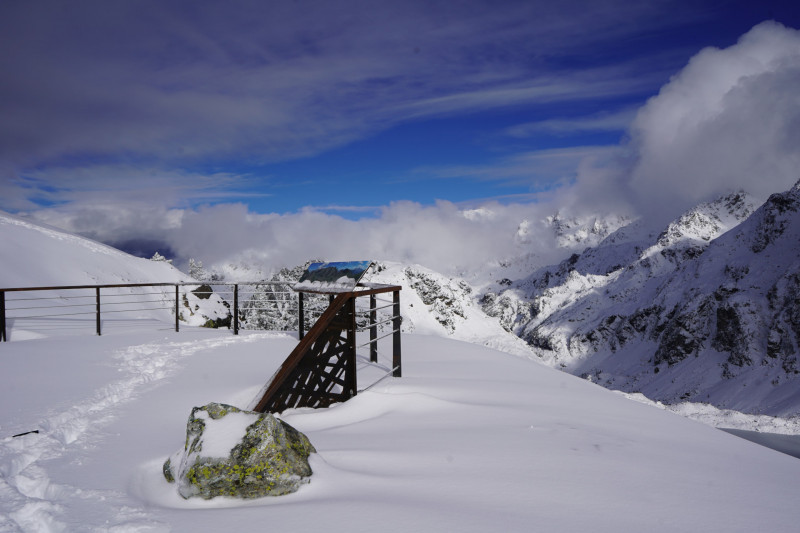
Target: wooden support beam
[295,384]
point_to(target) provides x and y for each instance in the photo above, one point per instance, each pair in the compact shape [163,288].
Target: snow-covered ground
[469,439]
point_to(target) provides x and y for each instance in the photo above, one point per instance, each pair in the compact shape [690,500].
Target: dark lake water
[788,444]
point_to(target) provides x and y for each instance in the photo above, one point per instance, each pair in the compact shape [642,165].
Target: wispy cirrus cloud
[195,81]
[617,121]
[128,185]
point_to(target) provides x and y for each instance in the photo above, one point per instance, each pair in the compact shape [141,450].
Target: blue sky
[342,106]
[124,118]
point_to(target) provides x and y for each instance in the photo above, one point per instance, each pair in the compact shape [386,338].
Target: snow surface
[469,439]
[38,256]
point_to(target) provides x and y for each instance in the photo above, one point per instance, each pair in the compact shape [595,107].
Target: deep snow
[469,439]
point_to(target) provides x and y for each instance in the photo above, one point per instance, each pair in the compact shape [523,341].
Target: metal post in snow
[3,316]
[373,329]
[352,379]
[396,322]
[301,317]
[177,309]
[235,309]
[97,304]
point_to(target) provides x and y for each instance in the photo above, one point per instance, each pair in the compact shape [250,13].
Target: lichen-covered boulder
[240,454]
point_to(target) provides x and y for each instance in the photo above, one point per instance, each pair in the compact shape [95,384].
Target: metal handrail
[136,299]
[133,298]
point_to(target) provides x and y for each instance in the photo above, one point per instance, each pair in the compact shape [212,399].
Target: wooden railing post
[301,317]
[97,304]
[3,316]
[235,309]
[177,308]
[373,329]
[396,322]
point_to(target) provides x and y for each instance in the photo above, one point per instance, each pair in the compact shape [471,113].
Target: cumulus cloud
[729,120]
[442,236]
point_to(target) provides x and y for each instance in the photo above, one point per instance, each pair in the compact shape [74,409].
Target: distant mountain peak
[707,310]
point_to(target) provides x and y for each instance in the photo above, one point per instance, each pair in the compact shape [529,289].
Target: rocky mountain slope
[707,310]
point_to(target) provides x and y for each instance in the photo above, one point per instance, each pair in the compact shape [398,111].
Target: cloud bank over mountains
[730,119]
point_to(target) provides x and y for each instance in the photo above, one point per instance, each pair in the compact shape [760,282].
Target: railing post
[301,317]
[3,316]
[235,309]
[350,377]
[373,329]
[396,322]
[177,308]
[97,304]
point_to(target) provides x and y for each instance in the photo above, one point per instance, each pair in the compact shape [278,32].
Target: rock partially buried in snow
[240,454]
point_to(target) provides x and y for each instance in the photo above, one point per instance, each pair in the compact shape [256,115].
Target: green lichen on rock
[270,458]
[167,469]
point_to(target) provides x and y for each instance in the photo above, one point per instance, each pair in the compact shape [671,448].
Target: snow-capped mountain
[704,310]
[562,235]
[707,310]
[92,419]
[52,257]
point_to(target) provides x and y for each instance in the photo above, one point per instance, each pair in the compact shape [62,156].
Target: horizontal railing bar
[92,296]
[107,295]
[8,309]
[92,304]
[49,316]
[88,297]
[375,324]
[137,309]
[137,302]
[379,380]
[379,308]
[379,338]
[124,285]
[262,292]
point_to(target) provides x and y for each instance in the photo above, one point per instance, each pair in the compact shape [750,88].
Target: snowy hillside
[432,303]
[704,311]
[469,439]
[33,255]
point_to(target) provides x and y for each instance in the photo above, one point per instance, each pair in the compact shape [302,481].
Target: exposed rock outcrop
[240,454]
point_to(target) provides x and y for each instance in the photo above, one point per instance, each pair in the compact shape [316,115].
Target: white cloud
[598,122]
[266,81]
[442,236]
[729,120]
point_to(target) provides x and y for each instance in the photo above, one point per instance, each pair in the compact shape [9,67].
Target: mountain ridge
[706,310]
